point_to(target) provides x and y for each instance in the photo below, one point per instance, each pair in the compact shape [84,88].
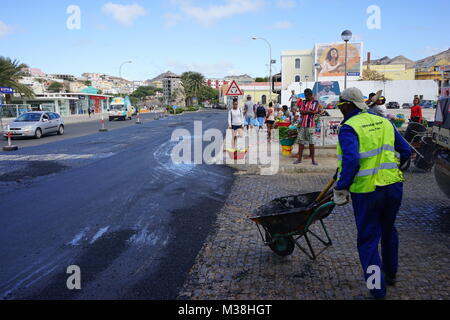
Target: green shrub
[192,109]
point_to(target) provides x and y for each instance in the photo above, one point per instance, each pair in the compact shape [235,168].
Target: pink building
[35,72]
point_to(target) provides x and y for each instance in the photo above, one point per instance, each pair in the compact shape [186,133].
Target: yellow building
[260,92]
[430,71]
[394,71]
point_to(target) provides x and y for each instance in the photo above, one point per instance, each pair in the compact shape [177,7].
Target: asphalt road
[111,203]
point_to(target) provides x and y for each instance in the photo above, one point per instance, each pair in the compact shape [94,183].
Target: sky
[211,37]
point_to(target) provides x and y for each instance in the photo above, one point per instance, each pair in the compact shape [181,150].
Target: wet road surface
[113,204]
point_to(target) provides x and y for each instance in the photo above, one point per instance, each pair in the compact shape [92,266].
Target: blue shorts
[261,121]
[248,121]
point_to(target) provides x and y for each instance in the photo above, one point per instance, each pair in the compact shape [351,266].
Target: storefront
[68,104]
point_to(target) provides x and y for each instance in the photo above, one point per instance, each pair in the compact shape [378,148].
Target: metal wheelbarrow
[285,221]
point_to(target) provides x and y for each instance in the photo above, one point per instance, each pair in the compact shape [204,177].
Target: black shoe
[390,281]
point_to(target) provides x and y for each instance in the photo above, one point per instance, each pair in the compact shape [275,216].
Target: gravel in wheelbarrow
[286,220]
[288,214]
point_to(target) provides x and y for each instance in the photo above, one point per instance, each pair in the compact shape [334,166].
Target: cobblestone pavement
[234,263]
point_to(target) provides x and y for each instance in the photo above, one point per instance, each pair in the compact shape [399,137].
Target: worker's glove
[341,197]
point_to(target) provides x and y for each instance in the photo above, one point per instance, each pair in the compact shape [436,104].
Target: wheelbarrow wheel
[282,246]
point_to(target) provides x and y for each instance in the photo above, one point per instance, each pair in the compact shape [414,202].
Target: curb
[284,169]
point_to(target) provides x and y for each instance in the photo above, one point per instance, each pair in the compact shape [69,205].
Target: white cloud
[4,29]
[124,14]
[214,13]
[282,25]
[286,4]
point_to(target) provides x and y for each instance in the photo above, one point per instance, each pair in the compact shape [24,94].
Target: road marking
[54,157]
[78,238]
[145,237]
[99,234]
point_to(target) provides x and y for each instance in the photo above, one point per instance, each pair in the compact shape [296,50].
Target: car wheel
[38,133]
[61,130]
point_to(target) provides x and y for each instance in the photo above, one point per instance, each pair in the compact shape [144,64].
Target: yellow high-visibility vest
[379,162]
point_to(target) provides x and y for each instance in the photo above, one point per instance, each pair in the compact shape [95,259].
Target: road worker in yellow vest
[370,154]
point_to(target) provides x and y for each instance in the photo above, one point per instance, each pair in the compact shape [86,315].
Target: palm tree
[193,83]
[11,71]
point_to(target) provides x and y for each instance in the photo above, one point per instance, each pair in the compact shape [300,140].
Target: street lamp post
[317,66]
[306,79]
[270,64]
[346,36]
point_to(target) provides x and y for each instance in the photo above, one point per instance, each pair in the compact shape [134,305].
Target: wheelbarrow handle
[325,191]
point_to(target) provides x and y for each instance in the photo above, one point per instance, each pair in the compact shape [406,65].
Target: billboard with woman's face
[331,58]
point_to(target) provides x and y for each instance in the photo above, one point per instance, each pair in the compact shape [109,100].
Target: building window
[297,63]
[263,99]
[297,78]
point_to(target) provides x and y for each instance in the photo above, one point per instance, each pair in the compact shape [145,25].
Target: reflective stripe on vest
[375,152]
[371,172]
[379,162]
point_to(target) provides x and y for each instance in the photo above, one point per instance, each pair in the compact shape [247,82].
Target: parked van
[120,109]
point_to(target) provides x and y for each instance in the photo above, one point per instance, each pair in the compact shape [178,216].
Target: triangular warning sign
[234,90]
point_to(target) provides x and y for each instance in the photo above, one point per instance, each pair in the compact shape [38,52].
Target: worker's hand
[341,197]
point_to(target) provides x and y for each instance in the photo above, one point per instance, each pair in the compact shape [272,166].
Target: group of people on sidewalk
[303,115]
[253,116]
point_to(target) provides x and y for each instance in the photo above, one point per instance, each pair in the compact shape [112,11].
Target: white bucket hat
[355,95]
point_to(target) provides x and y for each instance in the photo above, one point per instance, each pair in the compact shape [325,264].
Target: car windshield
[118,107]
[29,117]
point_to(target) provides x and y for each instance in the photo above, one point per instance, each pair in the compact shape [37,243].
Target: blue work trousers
[375,215]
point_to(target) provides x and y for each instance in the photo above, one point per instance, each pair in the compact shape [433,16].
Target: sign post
[6,90]
[234,91]
[138,121]
[10,147]
[103,128]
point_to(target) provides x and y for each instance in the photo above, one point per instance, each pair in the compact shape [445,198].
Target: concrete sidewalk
[234,263]
[325,156]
